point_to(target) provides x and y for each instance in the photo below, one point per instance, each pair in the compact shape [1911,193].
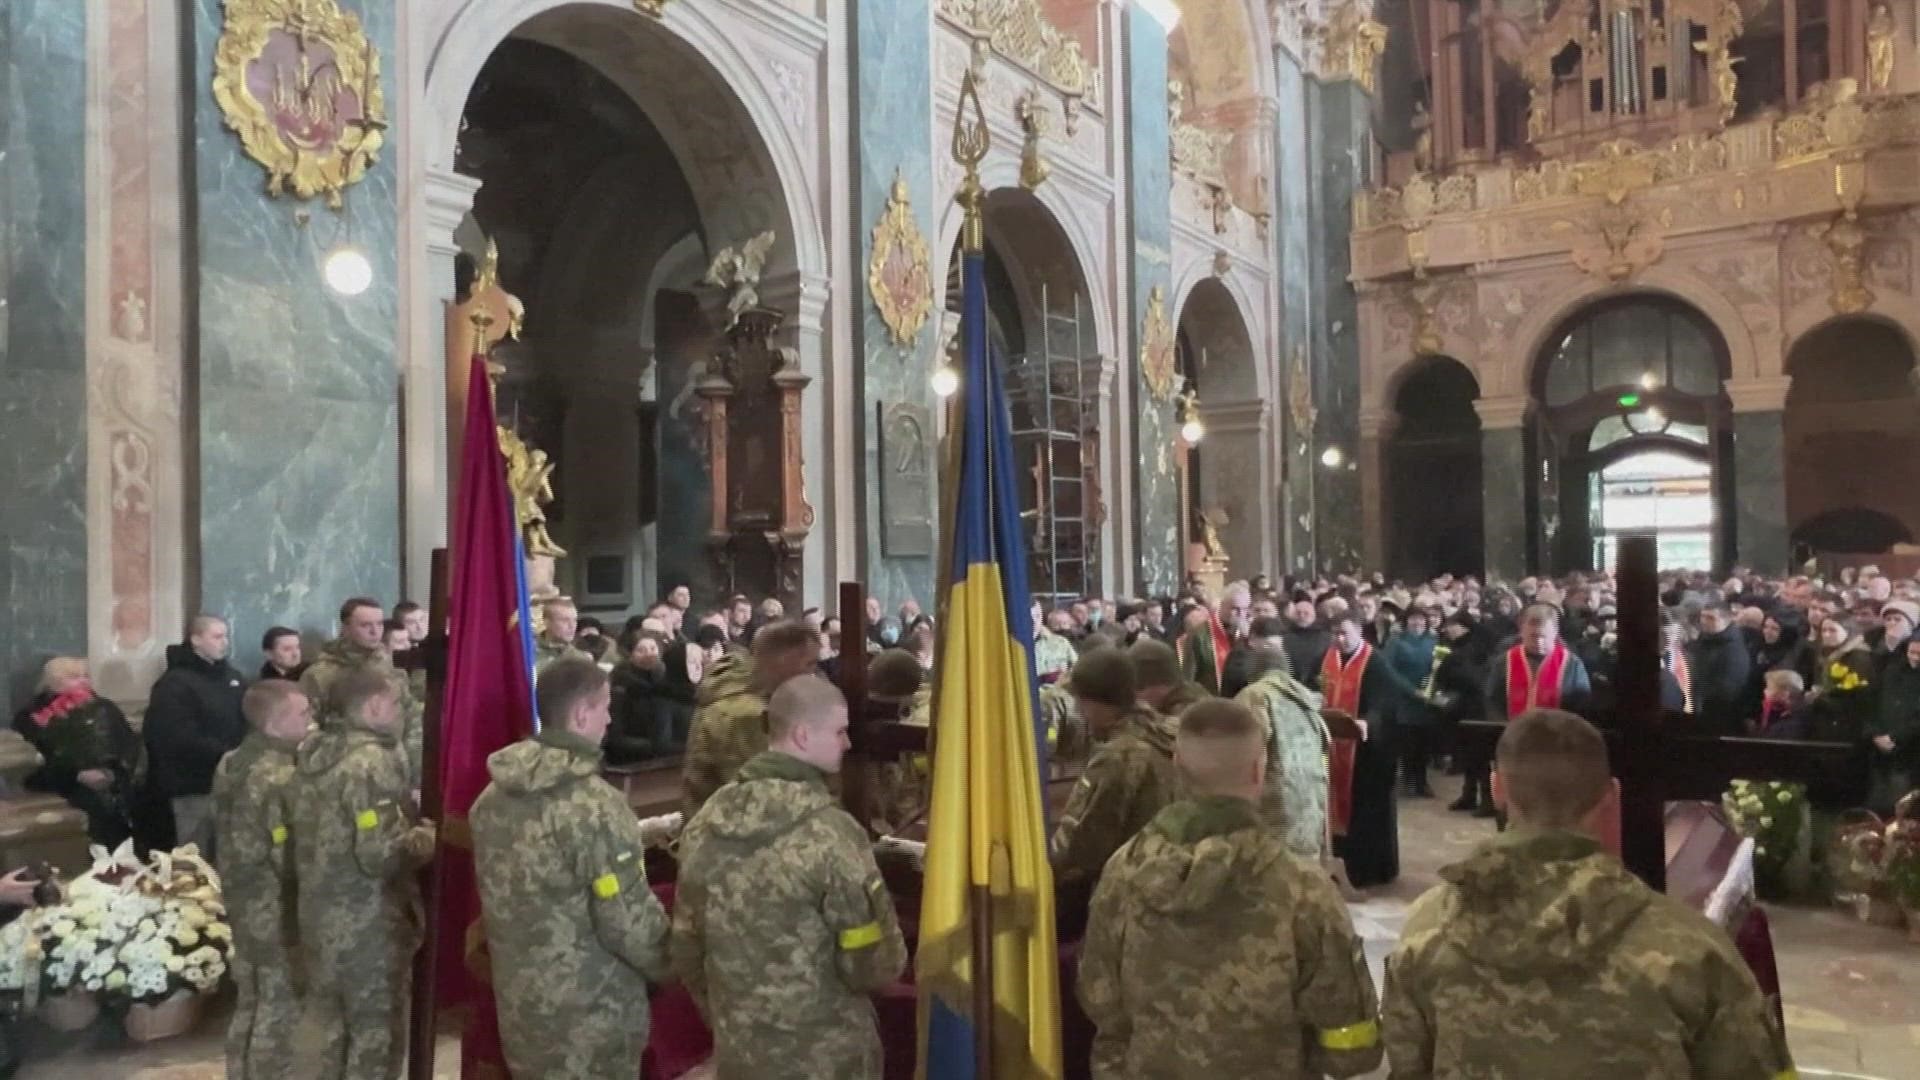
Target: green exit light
[1628,401]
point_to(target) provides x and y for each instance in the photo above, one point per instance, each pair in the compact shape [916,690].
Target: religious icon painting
[897,272]
[299,81]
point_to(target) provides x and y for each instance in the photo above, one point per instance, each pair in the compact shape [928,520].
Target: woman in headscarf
[90,755]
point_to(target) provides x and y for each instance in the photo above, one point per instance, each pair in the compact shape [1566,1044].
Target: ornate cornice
[1019,30]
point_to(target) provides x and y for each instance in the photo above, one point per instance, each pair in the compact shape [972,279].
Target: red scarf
[1682,674]
[1211,660]
[1527,689]
[1340,682]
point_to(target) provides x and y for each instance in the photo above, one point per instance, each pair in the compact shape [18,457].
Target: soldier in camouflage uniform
[1213,951]
[896,692]
[1162,686]
[574,933]
[1542,956]
[555,640]
[252,791]
[361,645]
[782,926]
[1293,801]
[1067,735]
[1130,777]
[357,849]
[730,717]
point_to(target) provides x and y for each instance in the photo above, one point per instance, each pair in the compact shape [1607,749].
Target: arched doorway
[580,114]
[1040,324]
[1629,401]
[1852,430]
[1223,484]
[1435,521]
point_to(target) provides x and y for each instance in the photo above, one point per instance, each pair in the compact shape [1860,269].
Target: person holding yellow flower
[1842,699]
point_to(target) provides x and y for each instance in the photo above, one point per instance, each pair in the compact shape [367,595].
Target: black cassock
[1371,848]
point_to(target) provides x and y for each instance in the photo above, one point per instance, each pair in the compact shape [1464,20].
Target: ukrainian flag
[986,842]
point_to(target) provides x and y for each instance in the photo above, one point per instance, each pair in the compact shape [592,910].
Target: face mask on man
[889,633]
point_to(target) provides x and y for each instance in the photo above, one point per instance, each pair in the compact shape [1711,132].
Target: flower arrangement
[126,929]
[1776,817]
[1844,678]
[72,728]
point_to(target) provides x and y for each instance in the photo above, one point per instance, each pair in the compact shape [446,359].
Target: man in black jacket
[1306,641]
[1719,662]
[193,720]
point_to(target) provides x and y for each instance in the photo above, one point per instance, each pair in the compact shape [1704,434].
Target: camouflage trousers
[359,1004]
[265,1016]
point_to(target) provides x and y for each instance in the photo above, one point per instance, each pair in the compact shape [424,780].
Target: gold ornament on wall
[1032,114]
[1351,43]
[1300,396]
[897,271]
[656,9]
[299,81]
[1156,347]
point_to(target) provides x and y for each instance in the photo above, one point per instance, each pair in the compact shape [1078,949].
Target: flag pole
[971,139]
[421,1020]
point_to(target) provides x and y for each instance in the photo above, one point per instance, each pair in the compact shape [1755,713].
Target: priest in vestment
[1538,673]
[1355,683]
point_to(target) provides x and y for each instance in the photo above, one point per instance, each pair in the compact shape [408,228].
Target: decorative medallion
[1156,347]
[897,272]
[1300,395]
[300,83]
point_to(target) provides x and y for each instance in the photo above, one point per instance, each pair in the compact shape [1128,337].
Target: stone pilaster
[892,55]
[1293,236]
[44,68]
[299,406]
[1376,512]
[1503,462]
[1762,539]
[1150,213]
[1339,148]
[427,482]
[1230,468]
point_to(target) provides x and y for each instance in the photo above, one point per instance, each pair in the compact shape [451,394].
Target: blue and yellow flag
[986,829]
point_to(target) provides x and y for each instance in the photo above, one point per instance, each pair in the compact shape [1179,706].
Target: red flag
[487,703]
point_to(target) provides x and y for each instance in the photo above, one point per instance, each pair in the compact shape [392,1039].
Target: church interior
[1303,292]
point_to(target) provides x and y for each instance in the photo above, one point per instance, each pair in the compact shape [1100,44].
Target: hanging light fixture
[1333,457]
[347,270]
[946,381]
[1192,428]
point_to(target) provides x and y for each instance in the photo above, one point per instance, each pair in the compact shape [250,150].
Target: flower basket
[73,1010]
[176,1014]
[1779,820]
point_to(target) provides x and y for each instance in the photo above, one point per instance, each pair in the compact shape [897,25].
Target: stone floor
[1852,991]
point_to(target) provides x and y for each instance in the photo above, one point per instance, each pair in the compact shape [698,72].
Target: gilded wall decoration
[299,81]
[1197,151]
[1300,408]
[1351,42]
[1156,346]
[1019,31]
[1846,249]
[656,9]
[1032,114]
[897,272]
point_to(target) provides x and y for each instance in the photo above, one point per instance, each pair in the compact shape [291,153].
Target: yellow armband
[1360,1036]
[279,835]
[860,937]
[606,886]
[367,820]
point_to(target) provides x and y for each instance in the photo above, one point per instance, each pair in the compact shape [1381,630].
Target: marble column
[299,406]
[43,359]
[1111,553]
[1338,145]
[1503,465]
[1376,511]
[893,88]
[1293,235]
[1762,538]
[1150,213]
[429,461]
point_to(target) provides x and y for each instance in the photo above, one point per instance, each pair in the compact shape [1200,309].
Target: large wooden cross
[1656,764]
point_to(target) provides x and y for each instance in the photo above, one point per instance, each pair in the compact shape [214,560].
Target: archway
[1616,382]
[1435,520]
[1852,438]
[1040,323]
[1222,483]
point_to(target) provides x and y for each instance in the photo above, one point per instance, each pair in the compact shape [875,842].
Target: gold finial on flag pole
[970,142]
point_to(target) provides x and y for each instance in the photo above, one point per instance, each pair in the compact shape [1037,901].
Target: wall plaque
[907,451]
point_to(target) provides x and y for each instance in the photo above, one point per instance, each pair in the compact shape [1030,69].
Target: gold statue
[530,480]
[1879,47]
[739,272]
[1210,535]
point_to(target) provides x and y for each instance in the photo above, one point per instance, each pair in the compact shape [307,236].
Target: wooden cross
[1656,764]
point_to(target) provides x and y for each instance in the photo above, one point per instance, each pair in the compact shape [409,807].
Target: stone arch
[1514,377]
[1434,512]
[1814,314]
[1000,175]
[1197,279]
[1854,397]
[1221,53]
[609,35]
[1233,373]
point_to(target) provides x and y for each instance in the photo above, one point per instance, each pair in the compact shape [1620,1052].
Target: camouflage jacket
[1066,732]
[1541,950]
[252,807]
[1212,951]
[573,931]
[1129,780]
[357,844]
[729,728]
[1294,800]
[339,656]
[1182,698]
[546,651]
[1052,654]
[782,927]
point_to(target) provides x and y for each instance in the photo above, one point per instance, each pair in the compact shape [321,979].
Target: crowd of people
[1236,760]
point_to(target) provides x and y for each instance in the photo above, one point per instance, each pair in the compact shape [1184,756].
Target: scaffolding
[1046,394]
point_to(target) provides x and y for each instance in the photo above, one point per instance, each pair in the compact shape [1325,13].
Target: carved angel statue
[1210,533]
[530,480]
[1879,47]
[740,272]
